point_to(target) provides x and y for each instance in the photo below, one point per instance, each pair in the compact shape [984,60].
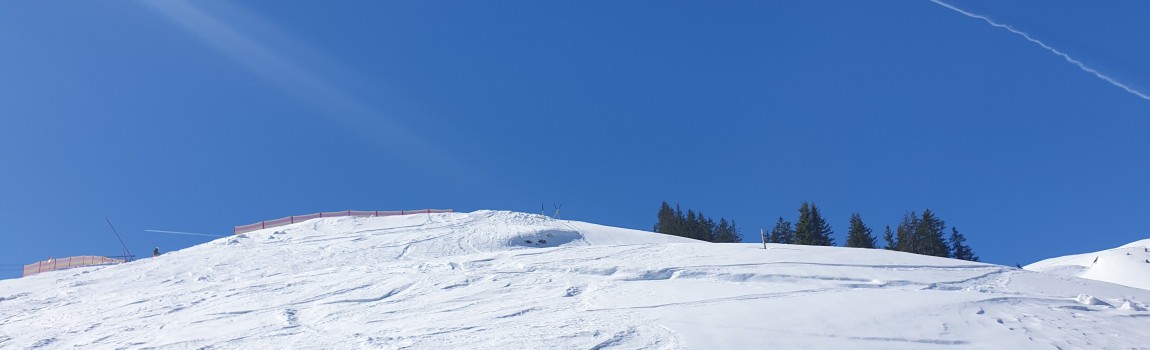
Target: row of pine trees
[673,221]
[919,234]
[923,234]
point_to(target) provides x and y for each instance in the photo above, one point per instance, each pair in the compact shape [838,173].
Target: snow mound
[1128,265]
[1087,299]
[1130,306]
[499,280]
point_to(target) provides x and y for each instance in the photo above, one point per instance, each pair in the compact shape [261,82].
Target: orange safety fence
[67,263]
[331,214]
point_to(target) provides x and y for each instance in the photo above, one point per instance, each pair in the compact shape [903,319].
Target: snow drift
[510,280]
[1128,265]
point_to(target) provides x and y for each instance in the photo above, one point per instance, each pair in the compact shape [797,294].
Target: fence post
[263,224]
[321,214]
[293,219]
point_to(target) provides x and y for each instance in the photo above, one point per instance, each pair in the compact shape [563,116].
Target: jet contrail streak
[1048,48]
[184,233]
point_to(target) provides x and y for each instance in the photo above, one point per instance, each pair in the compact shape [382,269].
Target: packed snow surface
[508,280]
[1128,265]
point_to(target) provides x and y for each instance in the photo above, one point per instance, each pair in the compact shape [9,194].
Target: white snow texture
[1128,265]
[504,280]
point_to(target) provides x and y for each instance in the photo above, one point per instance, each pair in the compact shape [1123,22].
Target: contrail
[184,233]
[1048,48]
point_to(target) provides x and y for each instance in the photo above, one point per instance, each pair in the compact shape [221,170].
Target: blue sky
[198,116]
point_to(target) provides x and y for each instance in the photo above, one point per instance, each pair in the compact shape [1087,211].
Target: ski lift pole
[127,254]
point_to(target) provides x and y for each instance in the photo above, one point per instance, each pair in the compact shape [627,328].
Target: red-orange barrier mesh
[67,263]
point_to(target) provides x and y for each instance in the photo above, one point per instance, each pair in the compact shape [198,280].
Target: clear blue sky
[198,116]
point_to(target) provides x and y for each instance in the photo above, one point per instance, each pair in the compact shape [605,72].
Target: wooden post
[764,234]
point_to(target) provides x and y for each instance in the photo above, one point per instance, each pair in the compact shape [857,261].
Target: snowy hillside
[1128,265]
[518,281]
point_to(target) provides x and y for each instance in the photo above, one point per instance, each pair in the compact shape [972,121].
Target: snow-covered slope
[518,281]
[1128,265]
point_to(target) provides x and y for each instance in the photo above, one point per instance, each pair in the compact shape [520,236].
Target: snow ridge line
[357,213]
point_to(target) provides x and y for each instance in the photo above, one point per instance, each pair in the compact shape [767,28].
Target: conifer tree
[929,234]
[705,228]
[858,235]
[889,238]
[803,226]
[691,225]
[666,219]
[812,228]
[906,240]
[726,232]
[782,233]
[734,236]
[959,249]
[821,232]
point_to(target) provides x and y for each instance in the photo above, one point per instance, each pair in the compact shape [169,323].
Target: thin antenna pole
[127,254]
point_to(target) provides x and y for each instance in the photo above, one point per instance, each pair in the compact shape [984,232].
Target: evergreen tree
[929,234]
[812,228]
[666,219]
[726,232]
[803,225]
[782,233]
[907,242]
[691,225]
[858,235]
[679,227]
[959,249]
[889,238]
[821,231]
[705,228]
[734,236]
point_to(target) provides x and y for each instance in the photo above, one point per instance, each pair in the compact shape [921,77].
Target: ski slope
[492,279]
[1128,265]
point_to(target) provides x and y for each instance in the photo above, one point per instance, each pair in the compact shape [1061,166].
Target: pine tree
[726,232]
[691,225]
[821,232]
[679,227]
[707,228]
[959,249]
[782,233]
[859,236]
[803,225]
[929,233]
[889,238]
[666,219]
[907,242]
[812,228]
[734,236]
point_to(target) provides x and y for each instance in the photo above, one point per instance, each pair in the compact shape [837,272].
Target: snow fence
[67,263]
[331,214]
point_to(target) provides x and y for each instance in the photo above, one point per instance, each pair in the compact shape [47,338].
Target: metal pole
[126,252]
